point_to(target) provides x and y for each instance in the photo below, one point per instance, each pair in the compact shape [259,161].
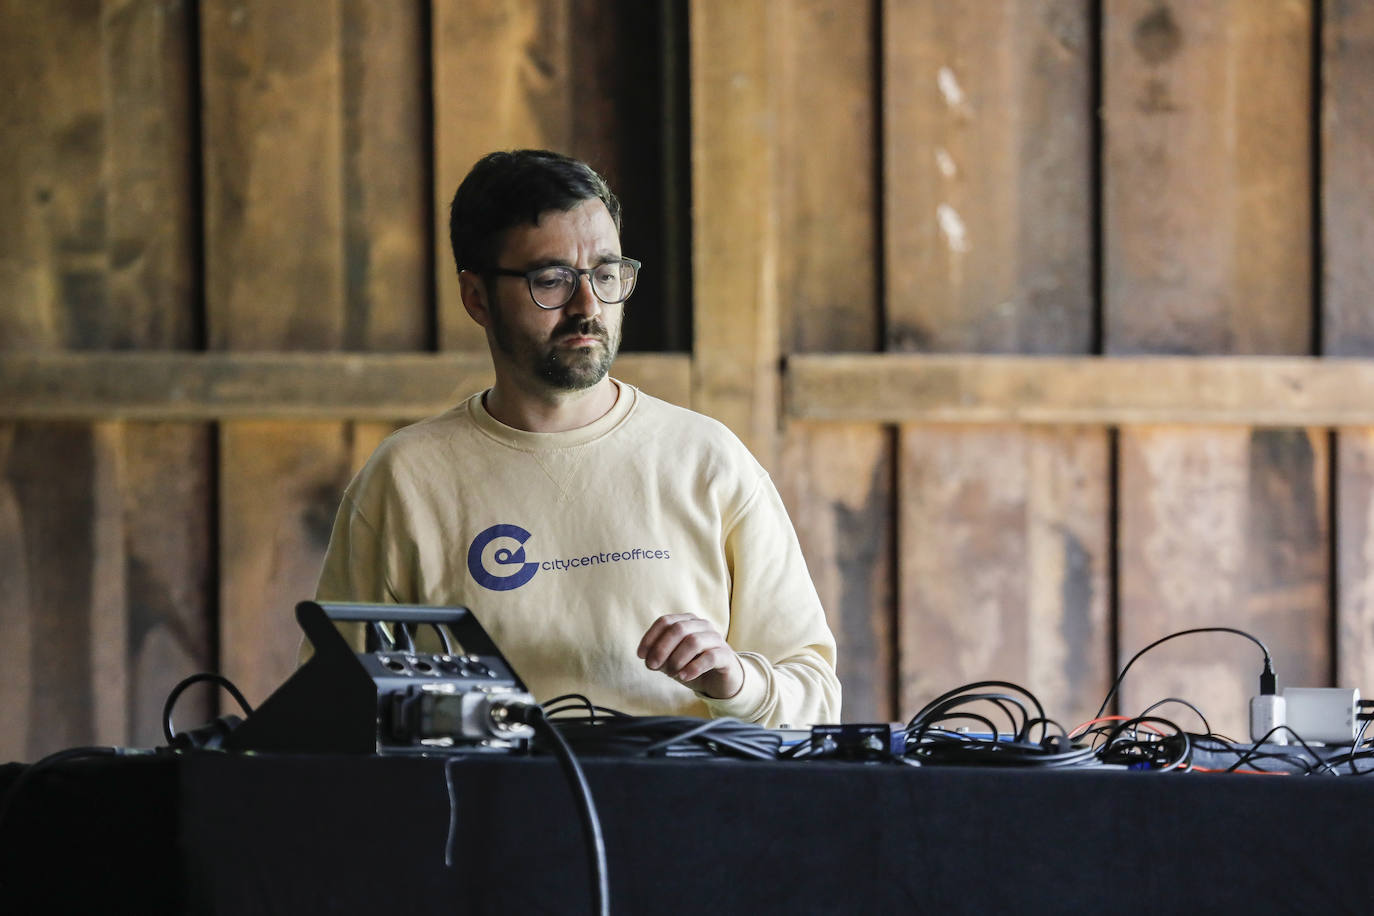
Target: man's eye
[548,281]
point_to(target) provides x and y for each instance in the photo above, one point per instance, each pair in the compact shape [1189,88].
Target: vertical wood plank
[837,481]
[1207,250]
[501,81]
[988,160]
[1355,560]
[1002,531]
[150,153]
[1067,549]
[166,487]
[1347,170]
[106,605]
[27,317]
[1207,176]
[388,301]
[1003,534]
[281,484]
[836,478]
[52,248]
[735,230]
[827,174]
[274,229]
[16,613]
[55,523]
[1222,529]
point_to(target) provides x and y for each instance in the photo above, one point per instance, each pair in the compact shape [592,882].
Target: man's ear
[473,290]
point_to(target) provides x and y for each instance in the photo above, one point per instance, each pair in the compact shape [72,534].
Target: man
[612,544]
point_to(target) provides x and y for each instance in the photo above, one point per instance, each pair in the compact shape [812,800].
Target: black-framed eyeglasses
[554,286]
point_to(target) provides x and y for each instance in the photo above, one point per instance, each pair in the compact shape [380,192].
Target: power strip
[1317,715]
[1323,714]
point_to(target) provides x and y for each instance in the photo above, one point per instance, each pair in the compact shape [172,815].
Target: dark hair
[508,189]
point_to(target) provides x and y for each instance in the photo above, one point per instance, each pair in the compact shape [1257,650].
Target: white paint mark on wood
[945,162]
[952,228]
[949,87]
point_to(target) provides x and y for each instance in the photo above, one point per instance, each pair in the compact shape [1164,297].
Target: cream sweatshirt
[567,546]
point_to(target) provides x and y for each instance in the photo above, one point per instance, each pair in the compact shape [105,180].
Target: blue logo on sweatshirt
[504,568]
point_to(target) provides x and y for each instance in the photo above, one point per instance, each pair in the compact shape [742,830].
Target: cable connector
[1268,683]
[1268,711]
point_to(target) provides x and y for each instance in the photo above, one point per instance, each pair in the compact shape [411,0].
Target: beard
[562,367]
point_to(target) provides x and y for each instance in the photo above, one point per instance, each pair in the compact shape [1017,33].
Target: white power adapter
[1322,714]
[1266,714]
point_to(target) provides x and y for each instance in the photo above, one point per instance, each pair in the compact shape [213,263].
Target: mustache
[582,327]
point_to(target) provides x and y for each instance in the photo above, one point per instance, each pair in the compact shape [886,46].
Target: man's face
[565,349]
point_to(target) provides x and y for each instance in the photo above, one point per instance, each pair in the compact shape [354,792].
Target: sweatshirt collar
[522,439]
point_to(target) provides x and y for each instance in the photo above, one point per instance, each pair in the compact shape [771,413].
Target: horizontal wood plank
[881,388]
[205,386]
[1229,390]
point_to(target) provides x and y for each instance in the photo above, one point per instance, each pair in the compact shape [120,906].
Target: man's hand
[688,649]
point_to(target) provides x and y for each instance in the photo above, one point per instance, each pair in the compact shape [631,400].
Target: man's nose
[584,301]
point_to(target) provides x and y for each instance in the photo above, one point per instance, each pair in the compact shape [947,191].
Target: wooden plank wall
[106,527]
[1077,179]
[1003,530]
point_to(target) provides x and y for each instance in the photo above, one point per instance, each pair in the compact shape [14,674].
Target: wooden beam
[208,386]
[872,388]
[1249,391]
[735,255]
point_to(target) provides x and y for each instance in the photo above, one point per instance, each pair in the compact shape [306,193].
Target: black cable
[1268,661]
[1254,751]
[1217,745]
[606,732]
[1045,727]
[534,716]
[977,685]
[573,701]
[168,731]
[1160,752]
[1207,728]
[1352,755]
[1355,746]
[954,716]
[927,741]
[444,638]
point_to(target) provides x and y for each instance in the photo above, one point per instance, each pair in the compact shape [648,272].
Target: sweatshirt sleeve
[777,624]
[353,563]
